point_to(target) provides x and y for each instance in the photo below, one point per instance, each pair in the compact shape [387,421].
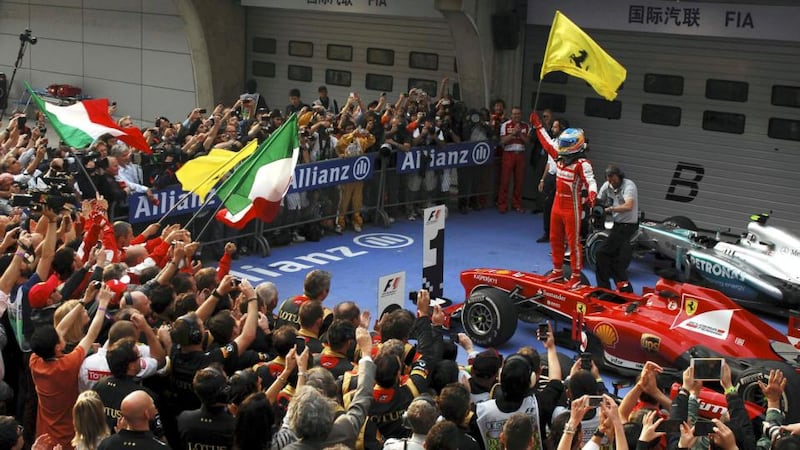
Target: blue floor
[478,239]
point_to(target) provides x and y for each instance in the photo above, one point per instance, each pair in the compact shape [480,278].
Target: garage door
[347,52]
[707,127]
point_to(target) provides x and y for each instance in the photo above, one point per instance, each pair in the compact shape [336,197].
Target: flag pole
[176,205]
[186,195]
[213,216]
[538,89]
[251,161]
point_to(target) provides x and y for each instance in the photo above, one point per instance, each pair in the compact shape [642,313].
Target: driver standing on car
[573,175]
[620,198]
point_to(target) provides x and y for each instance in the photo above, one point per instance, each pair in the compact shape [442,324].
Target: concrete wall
[484,72]
[153,57]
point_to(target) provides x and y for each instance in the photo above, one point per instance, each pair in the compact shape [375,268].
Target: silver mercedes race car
[760,269]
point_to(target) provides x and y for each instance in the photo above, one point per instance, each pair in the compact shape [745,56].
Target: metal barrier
[457,173]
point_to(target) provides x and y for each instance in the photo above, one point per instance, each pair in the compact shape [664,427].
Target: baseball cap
[40,292]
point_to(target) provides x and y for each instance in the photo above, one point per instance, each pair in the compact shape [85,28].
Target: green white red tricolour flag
[255,189]
[81,123]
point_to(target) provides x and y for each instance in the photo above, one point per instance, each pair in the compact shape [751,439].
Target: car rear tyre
[489,318]
[593,244]
[750,391]
[682,222]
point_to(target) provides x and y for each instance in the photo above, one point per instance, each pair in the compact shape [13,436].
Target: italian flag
[82,123]
[255,189]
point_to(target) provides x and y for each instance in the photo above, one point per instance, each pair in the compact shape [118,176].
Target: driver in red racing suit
[574,173]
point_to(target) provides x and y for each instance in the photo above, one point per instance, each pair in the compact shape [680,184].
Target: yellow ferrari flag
[201,174]
[572,51]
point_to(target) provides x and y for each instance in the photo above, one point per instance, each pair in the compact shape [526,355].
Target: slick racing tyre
[489,318]
[682,222]
[593,244]
[750,391]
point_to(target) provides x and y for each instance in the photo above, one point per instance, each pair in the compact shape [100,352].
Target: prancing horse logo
[579,58]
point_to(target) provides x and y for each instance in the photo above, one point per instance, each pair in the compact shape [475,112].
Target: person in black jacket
[137,411]
[211,426]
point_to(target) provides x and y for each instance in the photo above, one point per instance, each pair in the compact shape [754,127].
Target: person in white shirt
[129,172]
[95,366]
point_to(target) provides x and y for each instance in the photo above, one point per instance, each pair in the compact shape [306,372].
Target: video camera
[56,195]
[166,154]
[28,37]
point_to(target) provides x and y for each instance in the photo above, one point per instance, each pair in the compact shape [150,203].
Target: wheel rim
[752,393]
[480,319]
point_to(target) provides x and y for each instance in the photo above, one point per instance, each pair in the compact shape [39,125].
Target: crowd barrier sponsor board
[449,156]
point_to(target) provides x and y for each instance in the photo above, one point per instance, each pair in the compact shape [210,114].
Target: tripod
[24,39]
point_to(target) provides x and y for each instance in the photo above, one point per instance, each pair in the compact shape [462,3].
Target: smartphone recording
[706,369]
[595,401]
[586,361]
[669,426]
[703,427]
[541,332]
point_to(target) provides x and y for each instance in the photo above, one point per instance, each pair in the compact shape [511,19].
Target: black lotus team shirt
[140,440]
[112,390]
[207,427]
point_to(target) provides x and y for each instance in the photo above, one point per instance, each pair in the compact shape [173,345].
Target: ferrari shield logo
[581,308]
[690,306]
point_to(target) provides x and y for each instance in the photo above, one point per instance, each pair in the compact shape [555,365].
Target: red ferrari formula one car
[669,324]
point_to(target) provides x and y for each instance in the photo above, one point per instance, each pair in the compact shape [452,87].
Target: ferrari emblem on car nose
[690,306]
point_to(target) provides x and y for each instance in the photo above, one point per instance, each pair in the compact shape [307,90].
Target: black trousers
[614,256]
[549,195]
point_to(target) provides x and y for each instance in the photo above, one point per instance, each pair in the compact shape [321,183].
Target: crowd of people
[114,339]
[114,170]
[153,350]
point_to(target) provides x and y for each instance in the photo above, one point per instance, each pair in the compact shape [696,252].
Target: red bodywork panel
[659,326]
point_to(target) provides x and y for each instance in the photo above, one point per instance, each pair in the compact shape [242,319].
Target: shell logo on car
[607,334]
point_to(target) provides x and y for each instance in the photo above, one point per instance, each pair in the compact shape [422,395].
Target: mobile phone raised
[541,332]
[670,426]
[586,361]
[707,368]
[703,427]
[595,401]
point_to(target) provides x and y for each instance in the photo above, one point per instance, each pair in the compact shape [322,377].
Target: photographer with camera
[425,135]
[396,139]
[620,199]
[353,143]
[476,128]
[451,131]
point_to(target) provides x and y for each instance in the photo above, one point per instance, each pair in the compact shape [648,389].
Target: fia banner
[433,251]
[391,289]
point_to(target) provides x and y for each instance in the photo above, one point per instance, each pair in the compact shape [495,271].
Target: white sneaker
[412,217]
[357,228]
[338,229]
[391,219]
[297,238]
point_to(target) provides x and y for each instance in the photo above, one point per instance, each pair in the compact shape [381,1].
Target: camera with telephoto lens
[424,162]
[386,150]
[56,194]
[166,154]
